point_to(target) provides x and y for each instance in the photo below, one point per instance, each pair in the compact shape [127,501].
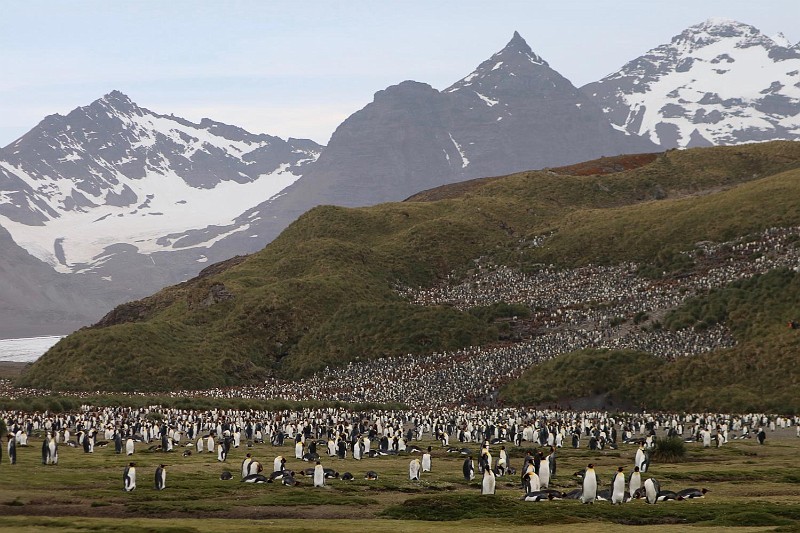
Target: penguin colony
[441,379]
[388,435]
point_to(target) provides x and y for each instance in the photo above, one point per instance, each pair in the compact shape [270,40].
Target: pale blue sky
[299,68]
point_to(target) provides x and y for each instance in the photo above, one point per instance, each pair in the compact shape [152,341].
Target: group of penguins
[537,471]
[620,491]
[129,477]
[49,448]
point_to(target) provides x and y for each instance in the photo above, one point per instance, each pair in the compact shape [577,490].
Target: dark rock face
[719,82]
[37,300]
[512,113]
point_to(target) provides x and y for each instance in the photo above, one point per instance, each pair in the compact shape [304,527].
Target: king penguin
[589,493]
[246,465]
[52,446]
[12,449]
[544,472]
[651,490]
[635,481]
[689,494]
[489,484]
[319,475]
[414,468]
[618,491]
[468,469]
[129,477]
[129,446]
[161,477]
[46,450]
[426,460]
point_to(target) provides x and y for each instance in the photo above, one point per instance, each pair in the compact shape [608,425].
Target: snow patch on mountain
[114,173]
[171,206]
[718,82]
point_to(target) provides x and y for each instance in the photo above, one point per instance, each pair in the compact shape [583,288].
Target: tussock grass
[669,450]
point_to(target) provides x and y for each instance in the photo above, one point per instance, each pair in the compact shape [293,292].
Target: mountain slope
[126,201]
[512,113]
[36,300]
[719,82]
[113,172]
[324,291]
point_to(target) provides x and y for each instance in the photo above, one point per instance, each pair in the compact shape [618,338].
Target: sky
[298,68]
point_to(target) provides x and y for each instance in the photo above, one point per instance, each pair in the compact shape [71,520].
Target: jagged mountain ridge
[500,118]
[512,113]
[718,82]
[114,173]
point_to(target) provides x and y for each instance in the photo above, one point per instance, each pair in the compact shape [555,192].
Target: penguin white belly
[589,493]
[489,482]
[635,483]
[618,494]
[651,493]
[319,476]
[544,474]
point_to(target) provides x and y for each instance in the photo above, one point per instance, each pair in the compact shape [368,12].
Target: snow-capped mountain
[512,113]
[718,82]
[112,176]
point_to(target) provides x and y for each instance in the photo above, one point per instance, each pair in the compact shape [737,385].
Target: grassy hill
[759,374]
[322,293]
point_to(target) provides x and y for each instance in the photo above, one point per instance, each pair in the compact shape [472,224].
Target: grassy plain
[752,487]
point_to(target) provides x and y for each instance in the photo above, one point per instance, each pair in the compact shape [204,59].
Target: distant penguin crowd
[315,436]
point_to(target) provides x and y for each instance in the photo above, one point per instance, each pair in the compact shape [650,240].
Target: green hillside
[759,374]
[323,292]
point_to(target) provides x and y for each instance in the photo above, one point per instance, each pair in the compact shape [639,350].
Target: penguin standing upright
[129,446]
[618,489]
[544,472]
[86,443]
[117,442]
[414,468]
[651,490]
[161,477]
[635,482]
[45,450]
[469,469]
[319,475]
[589,492]
[52,446]
[640,458]
[489,484]
[426,460]
[129,477]
[12,449]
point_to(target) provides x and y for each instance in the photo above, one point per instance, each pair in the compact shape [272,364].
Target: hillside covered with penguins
[332,288]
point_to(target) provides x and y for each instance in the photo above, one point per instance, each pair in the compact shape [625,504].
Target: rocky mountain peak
[516,61]
[518,45]
[715,30]
[717,82]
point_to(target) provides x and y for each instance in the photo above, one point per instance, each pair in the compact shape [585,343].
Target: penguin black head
[619,469]
[591,465]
